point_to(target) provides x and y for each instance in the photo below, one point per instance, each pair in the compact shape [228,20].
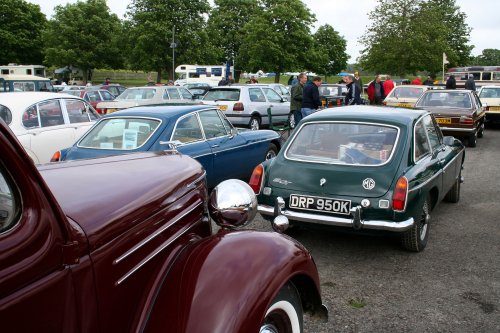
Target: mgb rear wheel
[416,238]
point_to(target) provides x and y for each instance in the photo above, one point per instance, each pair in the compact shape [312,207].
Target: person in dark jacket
[353,96]
[470,84]
[310,99]
[297,93]
[451,83]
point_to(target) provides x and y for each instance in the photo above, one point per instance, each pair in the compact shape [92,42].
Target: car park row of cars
[143,248]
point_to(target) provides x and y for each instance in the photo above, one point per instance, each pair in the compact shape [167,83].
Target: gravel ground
[370,284]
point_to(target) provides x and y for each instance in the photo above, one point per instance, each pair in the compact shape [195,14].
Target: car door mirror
[172,145]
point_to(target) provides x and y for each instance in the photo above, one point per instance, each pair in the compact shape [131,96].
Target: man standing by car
[376,91]
[310,99]
[470,84]
[451,83]
[353,96]
[297,93]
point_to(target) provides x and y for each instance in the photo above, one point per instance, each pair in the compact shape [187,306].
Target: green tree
[153,26]
[489,57]
[408,36]
[83,35]
[390,37]
[225,25]
[278,38]
[448,33]
[21,26]
[331,51]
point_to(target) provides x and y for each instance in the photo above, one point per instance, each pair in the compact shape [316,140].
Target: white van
[201,74]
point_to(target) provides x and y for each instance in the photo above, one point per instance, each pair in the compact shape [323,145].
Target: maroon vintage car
[124,244]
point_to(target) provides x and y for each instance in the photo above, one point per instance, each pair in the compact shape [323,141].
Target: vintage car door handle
[215,146]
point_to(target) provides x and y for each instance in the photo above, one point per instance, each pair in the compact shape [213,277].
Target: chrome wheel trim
[270,154]
[254,124]
[425,224]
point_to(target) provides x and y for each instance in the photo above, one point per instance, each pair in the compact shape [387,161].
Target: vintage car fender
[226,282]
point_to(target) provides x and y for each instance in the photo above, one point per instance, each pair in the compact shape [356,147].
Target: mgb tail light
[339,101]
[400,194]
[464,120]
[257,178]
[238,107]
[56,157]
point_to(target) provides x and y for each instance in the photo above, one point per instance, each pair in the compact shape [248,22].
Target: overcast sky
[350,19]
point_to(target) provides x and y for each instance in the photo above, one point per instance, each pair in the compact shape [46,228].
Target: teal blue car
[364,168]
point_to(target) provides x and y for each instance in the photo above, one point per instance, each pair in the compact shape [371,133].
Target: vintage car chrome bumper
[454,129]
[351,221]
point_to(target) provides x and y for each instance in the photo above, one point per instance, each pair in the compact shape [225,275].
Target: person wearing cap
[357,80]
[470,84]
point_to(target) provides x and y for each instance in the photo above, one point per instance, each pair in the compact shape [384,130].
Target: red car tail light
[238,107]
[466,120]
[56,157]
[400,194]
[339,101]
[256,178]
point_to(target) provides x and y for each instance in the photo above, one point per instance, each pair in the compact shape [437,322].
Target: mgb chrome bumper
[352,221]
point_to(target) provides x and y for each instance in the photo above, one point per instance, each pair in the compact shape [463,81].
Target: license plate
[405,105]
[443,120]
[111,111]
[319,204]
[222,107]
[494,108]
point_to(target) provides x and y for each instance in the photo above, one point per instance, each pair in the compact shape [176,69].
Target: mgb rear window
[344,143]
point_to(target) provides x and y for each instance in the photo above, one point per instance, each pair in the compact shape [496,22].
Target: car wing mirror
[172,145]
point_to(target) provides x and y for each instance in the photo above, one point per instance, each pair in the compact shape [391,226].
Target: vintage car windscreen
[348,143]
[222,95]
[407,92]
[490,92]
[120,133]
[451,99]
[137,94]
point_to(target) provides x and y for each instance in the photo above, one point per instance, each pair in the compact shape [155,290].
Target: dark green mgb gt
[363,167]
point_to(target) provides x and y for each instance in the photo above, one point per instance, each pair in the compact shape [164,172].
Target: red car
[93,96]
[124,244]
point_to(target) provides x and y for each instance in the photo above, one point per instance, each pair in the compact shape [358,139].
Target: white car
[279,88]
[45,122]
[490,98]
[247,105]
[148,95]
[405,95]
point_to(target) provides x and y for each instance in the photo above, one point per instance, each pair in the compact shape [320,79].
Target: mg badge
[322,181]
[368,184]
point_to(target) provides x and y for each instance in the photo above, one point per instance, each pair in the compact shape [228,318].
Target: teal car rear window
[344,143]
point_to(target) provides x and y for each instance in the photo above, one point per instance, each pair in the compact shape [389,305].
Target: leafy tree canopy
[277,38]
[226,25]
[407,36]
[489,57]
[330,49]
[21,25]
[82,35]
[153,24]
